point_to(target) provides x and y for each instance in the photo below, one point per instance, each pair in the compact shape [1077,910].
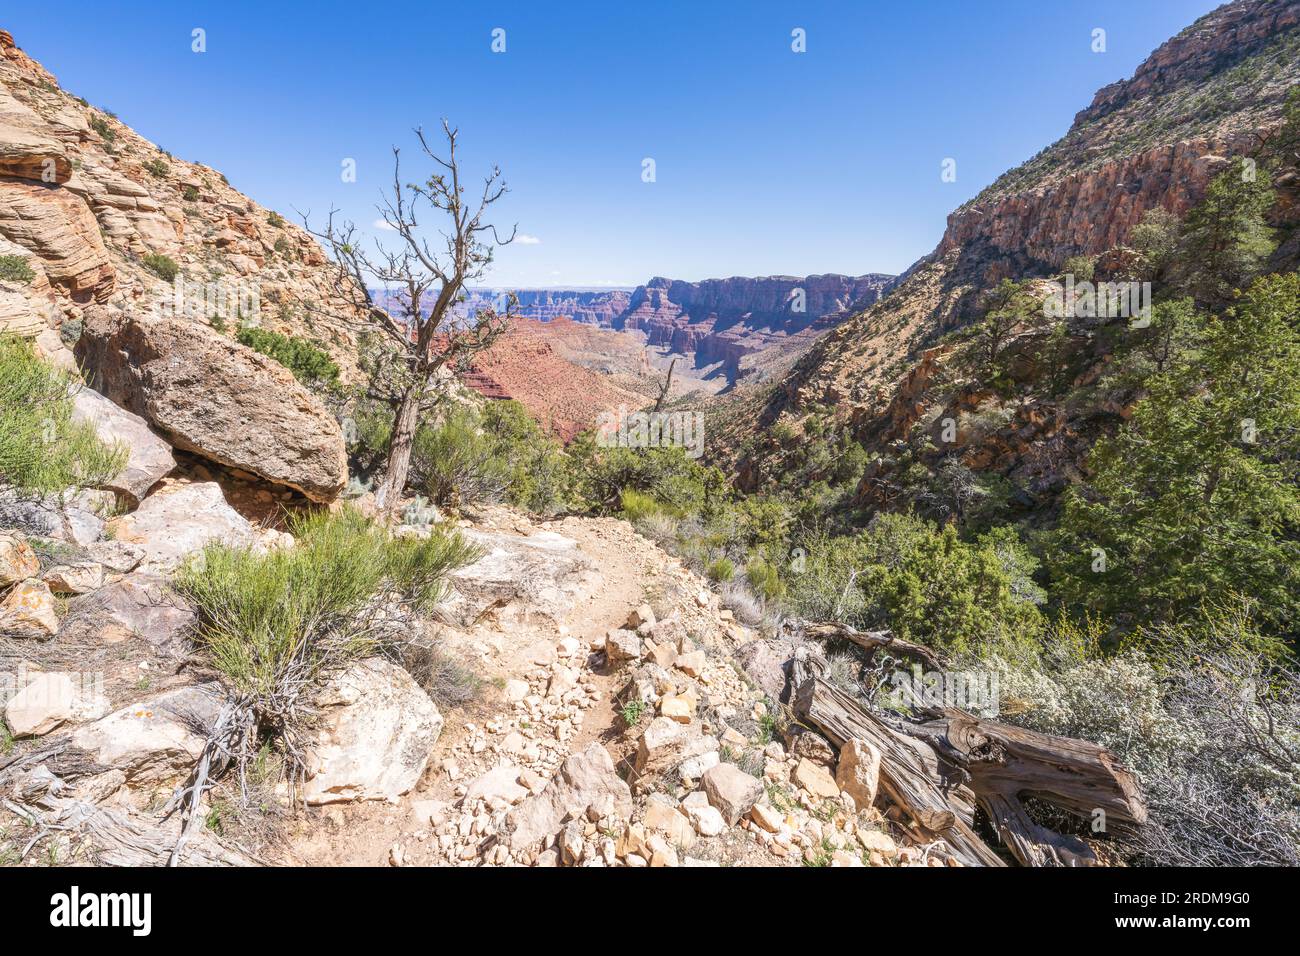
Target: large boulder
[586,779]
[179,519]
[212,396]
[155,740]
[375,736]
[149,457]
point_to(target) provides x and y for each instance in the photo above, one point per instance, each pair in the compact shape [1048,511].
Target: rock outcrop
[376,734]
[88,202]
[215,398]
[179,519]
[149,458]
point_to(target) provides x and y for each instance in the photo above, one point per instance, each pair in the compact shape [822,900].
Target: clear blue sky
[767,161]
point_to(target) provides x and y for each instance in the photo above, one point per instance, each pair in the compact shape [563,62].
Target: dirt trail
[499,649]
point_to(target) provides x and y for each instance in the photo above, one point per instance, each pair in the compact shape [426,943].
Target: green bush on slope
[42,449]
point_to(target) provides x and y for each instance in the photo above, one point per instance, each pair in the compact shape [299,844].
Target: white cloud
[526,240]
[383,226]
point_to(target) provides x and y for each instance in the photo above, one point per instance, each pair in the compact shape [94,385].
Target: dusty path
[508,644]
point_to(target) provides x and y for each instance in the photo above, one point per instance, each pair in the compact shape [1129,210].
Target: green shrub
[41,448]
[284,247]
[190,193]
[765,579]
[668,474]
[105,131]
[309,363]
[925,583]
[157,168]
[164,267]
[638,507]
[456,462]
[275,220]
[292,615]
[15,269]
[721,570]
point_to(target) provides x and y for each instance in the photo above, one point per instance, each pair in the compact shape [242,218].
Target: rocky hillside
[716,322]
[1152,141]
[101,215]
[564,397]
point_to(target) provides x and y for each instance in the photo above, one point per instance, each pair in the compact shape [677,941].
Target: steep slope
[565,398]
[86,202]
[1152,141]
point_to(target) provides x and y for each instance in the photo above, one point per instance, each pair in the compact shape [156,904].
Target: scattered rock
[139,605]
[149,457]
[766,817]
[643,615]
[584,779]
[666,744]
[76,518]
[18,561]
[155,740]
[815,778]
[670,821]
[50,700]
[28,610]
[76,578]
[499,783]
[622,645]
[708,820]
[178,520]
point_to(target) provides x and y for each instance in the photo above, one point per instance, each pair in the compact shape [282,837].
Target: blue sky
[767,161]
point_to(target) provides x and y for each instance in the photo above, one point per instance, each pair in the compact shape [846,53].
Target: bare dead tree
[668,383]
[425,335]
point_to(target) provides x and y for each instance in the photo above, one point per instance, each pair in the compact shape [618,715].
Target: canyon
[715,323]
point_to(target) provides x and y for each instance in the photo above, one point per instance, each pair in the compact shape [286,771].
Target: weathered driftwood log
[871,641]
[938,770]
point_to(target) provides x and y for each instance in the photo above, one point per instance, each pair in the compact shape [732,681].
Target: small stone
[707,820]
[516,690]
[691,664]
[766,817]
[642,615]
[671,822]
[28,610]
[80,578]
[816,779]
[18,561]
[731,790]
[878,841]
[858,773]
[678,708]
[622,645]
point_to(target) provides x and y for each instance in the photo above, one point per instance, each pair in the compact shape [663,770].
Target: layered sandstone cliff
[85,202]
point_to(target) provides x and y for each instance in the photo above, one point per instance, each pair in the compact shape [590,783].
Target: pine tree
[1198,496]
[1224,237]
